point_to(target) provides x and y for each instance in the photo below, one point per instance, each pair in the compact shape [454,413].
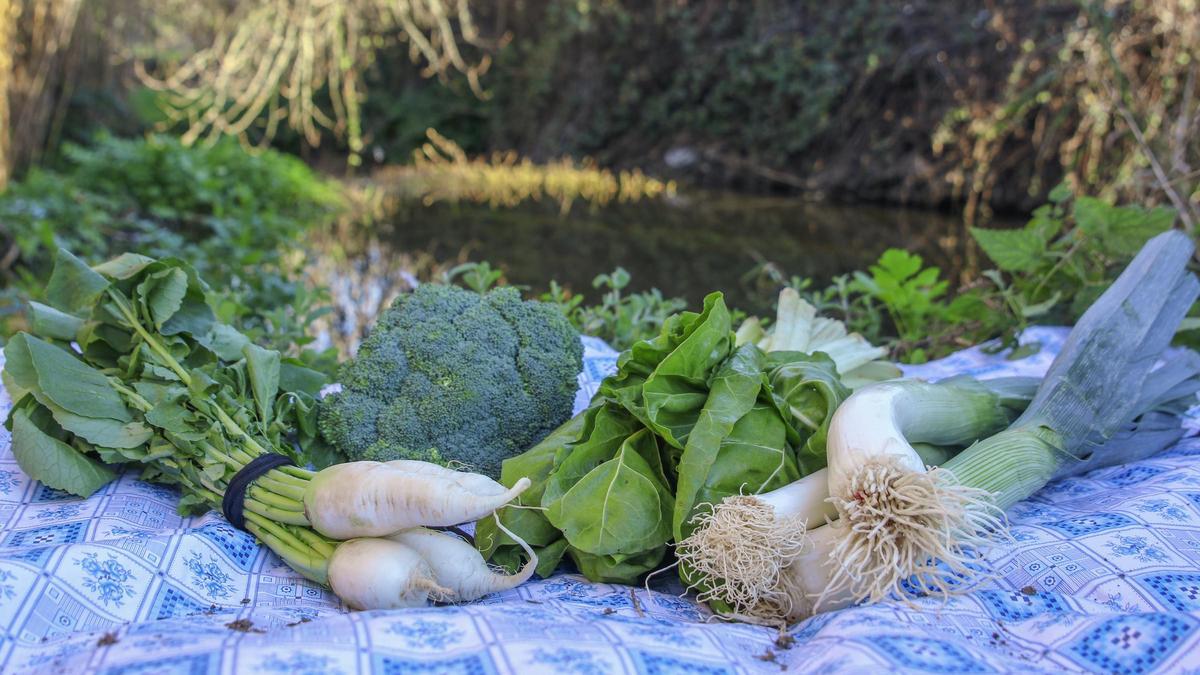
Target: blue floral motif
[1114,602]
[1029,510]
[1164,508]
[119,531]
[1137,547]
[8,481]
[164,492]
[60,512]
[565,585]
[299,663]
[571,660]
[209,576]
[107,578]
[1135,643]
[1021,535]
[1073,487]
[7,591]
[422,633]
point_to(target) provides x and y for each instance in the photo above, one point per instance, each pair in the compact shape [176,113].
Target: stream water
[686,246]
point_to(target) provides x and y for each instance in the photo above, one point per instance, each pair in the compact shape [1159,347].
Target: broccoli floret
[452,376]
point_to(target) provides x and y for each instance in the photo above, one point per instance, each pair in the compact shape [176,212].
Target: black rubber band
[233,504]
[457,531]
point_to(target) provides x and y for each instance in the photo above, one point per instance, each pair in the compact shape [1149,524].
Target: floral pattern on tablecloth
[1103,575]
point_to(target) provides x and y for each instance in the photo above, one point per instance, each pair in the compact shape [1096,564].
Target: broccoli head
[449,375]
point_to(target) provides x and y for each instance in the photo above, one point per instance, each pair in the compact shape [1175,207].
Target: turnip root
[382,574]
[459,567]
[372,499]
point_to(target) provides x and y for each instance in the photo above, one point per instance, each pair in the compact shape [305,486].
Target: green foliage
[616,77]
[1071,250]
[620,318]
[476,377]
[909,290]
[155,377]
[235,216]
[477,276]
[1047,272]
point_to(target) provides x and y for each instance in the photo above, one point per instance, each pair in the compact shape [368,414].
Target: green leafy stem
[274,502]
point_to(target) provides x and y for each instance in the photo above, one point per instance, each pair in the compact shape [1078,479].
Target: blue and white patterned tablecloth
[1104,576]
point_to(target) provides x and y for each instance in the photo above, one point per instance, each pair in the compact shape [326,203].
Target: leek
[742,546]
[907,531]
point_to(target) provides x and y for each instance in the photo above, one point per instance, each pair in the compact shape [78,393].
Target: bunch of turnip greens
[127,365]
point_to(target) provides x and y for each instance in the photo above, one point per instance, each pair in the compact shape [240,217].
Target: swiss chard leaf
[605,427]
[616,569]
[735,388]
[678,388]
[807,390]
[619,507]
[529,524]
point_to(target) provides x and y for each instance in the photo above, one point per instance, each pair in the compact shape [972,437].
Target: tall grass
[442,172]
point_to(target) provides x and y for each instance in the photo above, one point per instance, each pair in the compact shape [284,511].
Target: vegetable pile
[157,381]
[449,375]
[690,418]
[719,451]
[784,469]
[1113,395]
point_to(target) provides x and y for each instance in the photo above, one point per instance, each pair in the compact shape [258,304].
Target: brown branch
[1184,209]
